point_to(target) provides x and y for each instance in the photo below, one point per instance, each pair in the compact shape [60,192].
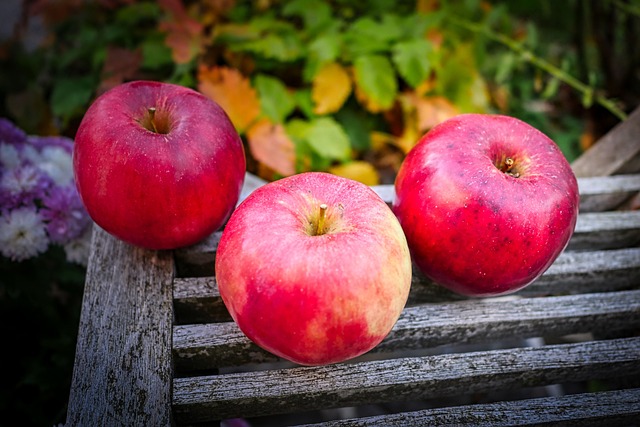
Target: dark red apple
[158,165]
[487,203]
[314,268]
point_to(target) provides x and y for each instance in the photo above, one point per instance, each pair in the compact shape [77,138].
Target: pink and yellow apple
[314,268]
[158,165]
[487,203]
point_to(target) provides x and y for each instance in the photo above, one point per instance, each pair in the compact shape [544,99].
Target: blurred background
[342,86]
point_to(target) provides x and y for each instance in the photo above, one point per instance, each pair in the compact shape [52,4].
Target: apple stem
[320,224]
[506,167]
[508,163]
[152,115]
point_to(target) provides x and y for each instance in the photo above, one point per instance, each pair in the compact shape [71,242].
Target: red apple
[158,165]
[487,203]
[314,268]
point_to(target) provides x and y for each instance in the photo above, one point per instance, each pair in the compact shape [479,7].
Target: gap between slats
[620,407]
[214,345]
[305,388]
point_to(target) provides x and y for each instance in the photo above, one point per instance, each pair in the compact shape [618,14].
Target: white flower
[31,154]
[57,163]
[22,234]
[77,250]
[9,156]
[20,180]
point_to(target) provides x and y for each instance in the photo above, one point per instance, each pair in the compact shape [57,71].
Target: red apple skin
[474,228]
[153,189]
[314,299]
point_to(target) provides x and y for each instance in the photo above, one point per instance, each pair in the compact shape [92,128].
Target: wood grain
[276,391]
[138,365]
[203,346]
[620,407]
[123,368]
[618,152]
[197,299]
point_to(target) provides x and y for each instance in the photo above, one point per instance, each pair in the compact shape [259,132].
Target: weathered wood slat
[584,272]
[617,152]
[620,407]
[600,185]
[607,193]
[197,299]
[600,230]
[123,355]
[606,230]
[204,346]
[573,272]
[277,391]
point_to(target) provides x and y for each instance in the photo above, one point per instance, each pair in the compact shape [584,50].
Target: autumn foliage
[346,87]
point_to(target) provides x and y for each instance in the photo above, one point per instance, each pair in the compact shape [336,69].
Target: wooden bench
[156,346]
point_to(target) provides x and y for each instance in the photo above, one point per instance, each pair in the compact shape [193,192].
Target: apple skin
[314,299]
[471,224]
[162,188]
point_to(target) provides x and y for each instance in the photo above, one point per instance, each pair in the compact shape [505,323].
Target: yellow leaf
[270,145]
[431,110]
[419,114]
[379,139]
[331,88]
[357,170]
[233,92]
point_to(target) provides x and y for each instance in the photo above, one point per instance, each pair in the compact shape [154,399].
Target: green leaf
[322,50]
[265,36]
[411,58]
[135,13]
[367,36]
[532,38]
[314,14]
[505,67]
[460,82]
[155,53]
[416,25]
[324,136]
[305,102]
[551,88]
[298,129]
[358,125]
[285,47]
[71,95]
[377,79]
[275,100]
[328,139]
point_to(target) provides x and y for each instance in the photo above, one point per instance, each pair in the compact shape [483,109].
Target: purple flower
[41,142]
[11,134]
[22,186]
[64,214]
[39,203]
